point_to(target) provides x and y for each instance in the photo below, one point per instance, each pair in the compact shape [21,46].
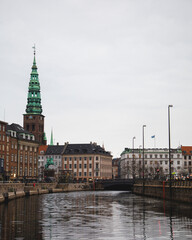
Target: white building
[53,152]
[156,162]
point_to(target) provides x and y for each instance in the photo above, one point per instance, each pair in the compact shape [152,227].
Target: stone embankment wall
[10,191]
[181,191]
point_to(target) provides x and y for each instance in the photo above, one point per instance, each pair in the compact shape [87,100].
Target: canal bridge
[115,184]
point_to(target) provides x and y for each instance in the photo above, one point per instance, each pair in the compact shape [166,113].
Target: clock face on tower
[30,117]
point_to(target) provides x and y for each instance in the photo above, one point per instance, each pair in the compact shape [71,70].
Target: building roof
[42,149]
[54,149]
[90,148]
[17,128]
[186,150]
[21,133]
[2,122]
[69,149]
[151,150]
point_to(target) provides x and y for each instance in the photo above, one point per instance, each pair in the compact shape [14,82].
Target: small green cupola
[34,96]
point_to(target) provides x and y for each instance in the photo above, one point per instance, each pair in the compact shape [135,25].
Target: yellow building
[87,161]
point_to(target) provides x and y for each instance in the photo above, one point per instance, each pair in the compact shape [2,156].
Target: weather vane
[34,49]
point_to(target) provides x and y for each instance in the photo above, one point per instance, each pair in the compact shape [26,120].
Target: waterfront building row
[156,162]
[18,152]
[83,161]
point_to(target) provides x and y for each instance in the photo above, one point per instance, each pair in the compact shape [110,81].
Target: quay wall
[10,191]
[181,191]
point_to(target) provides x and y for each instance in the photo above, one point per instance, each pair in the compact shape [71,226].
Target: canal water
[94,215]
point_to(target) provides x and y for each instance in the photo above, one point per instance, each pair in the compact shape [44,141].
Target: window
[21,171]
[30,171]
[185,157]
[185,163]
[90,158]
[21,158]
[90,174]
[85,165]
[26,171]
[70,166]
[189,163]
[85,174]
[25,158]
[12,157]
[155,155]
[90,165]
[85,158]
[65,166]
[79,165]
[189,157]
[178,162]
[161,162]
[15,158]
[166,162]
[80,174]
[75,165]
[97,158]
[161,156]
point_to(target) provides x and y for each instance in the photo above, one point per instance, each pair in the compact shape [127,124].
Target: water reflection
[94,215]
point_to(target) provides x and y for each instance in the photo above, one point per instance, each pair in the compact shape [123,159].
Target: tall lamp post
[133,164]
[170,192]
[143,161]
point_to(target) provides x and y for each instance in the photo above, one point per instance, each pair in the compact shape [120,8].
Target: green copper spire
[51,142]
[34,96]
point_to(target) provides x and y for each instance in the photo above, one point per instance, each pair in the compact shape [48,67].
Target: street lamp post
[143,162]
[170,192]
[133,164]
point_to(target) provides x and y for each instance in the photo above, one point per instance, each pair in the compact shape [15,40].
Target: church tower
[33,120]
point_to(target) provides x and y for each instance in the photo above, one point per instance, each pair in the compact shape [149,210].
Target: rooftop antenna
[34,49]
[4,114]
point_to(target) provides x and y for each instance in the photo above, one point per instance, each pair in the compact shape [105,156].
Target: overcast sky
[106,67]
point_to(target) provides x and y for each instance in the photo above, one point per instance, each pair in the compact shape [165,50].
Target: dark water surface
[94,215]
